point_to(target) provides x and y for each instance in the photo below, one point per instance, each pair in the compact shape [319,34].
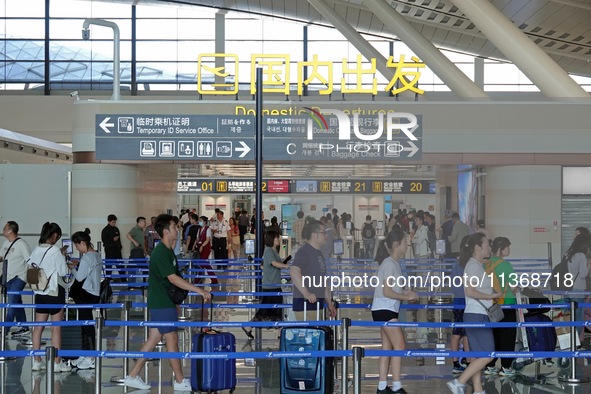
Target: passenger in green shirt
[136,234]
[507,283]
[163,272]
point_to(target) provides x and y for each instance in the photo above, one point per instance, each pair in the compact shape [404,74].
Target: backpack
[106,293]
[496,284]
[557,280]
[368,231]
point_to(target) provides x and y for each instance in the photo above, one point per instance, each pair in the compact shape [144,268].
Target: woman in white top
[479,295]
[420,239]
[51,260]
[86,290]
[386,305]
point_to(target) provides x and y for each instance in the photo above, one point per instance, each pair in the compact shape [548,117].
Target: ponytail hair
[385,245]
[469,245]
[48,230]
[82,236]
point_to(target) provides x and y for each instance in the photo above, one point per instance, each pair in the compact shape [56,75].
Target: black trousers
[88,332]
[242,230]
[505,338]
[220,248]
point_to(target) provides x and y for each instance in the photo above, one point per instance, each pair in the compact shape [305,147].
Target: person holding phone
[272,266]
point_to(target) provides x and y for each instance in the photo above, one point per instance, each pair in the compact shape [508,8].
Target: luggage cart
[523,343]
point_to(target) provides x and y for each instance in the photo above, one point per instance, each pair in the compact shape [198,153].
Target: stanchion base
[573,381]
[5,359]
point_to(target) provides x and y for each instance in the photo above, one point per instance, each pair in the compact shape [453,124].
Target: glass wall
[169,40]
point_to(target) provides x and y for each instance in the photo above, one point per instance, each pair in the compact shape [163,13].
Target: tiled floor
[263,377]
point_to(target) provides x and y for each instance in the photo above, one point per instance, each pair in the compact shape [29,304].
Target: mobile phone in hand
[287,259]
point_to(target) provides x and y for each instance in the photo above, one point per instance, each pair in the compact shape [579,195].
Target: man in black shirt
[112,242]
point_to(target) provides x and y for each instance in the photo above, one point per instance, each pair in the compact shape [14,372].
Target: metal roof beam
[548,76]
[452,76]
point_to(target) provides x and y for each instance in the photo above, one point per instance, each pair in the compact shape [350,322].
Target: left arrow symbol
[245,149]
[104,125]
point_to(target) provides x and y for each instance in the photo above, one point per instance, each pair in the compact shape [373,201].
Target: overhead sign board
[306,186]
[175,137]
[331,134]
[310,136]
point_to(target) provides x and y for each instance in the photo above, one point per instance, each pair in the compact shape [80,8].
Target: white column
[548,76]
[455,79]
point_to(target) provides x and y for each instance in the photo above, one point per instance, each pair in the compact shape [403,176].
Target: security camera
[86,34]
[74,93]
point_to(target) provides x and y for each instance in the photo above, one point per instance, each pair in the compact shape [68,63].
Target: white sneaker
[185,385]
[136,383]
[74,362]
[491,371]
[61,367]
[507,372]
[38,365]
[456,387]
[87,363]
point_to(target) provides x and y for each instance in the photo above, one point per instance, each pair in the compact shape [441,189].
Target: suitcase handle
[317,309]
[210,310]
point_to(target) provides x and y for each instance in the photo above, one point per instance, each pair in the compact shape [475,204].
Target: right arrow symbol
[244,149]
[104,125]
[413,149]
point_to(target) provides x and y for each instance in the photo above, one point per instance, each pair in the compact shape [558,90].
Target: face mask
[201,223]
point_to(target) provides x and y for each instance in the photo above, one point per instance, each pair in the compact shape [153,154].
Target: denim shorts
[164,315]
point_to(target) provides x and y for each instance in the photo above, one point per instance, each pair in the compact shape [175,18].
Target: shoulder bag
[36,277]
[495,313]
[175,293]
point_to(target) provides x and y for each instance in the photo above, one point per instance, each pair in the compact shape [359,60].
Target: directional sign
[319,136]
[175,137]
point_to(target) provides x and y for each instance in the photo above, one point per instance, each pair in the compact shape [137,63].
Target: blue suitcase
[306,374]
[541,339]
[312,375]
[213,374]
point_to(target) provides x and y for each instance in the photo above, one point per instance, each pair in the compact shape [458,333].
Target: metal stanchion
[251,282]
[573,379]
[126,309]
[98,362]
[345,324]
[49,359]
[3,328]
[358,353]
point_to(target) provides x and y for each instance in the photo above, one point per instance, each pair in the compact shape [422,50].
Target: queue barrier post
[345,324]
[573,379]
[358,353]
[49,359]
[98,362]
[3,328]
[126,310]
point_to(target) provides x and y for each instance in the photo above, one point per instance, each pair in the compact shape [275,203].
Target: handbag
[495,313]
[36,277]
